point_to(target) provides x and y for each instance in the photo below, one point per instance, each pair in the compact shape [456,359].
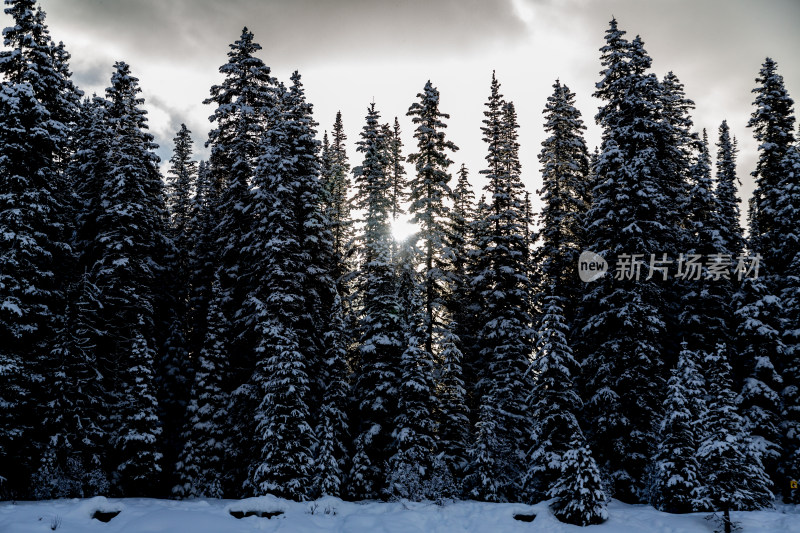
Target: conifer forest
[247,324]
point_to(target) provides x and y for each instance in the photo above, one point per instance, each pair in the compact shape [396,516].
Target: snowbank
[333,515]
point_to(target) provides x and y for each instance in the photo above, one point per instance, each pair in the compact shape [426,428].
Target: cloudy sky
[351,52]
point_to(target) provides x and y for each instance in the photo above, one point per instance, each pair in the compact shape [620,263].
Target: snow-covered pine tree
[38,104]
[398,182]
[289,226]
[565,168]
[733,476]
[772,122]
[790,394]
[323,332]
[138,470]
[430,196]
[705,316]
[579,491]
[200,468]
[244,103]
[244,106]
[380,342]
[338,203]
[453,414]
[554,402]
[127,269]
[202,266]
[409,474]
[762,354]
[505,331]
[180,189]
[623,329]
[725,190]
[333,428]
[72,460]
[678,483]
[174,370]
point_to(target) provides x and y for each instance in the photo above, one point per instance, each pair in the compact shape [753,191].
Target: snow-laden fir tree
[174,370]
[430,198]
[678,483]
[179,190]
[505,336]
[243,106]
[333,428]
[554,402]
[286,211]
[202,266]
[72,463]
[38,104]
[565,168]
[623,324]
[579,491]
[409,474]
[725,190]
[337,201]
[380,330]
[772,122]
[200,467]
[733,475]
[396,171]
[762,354]
[140,462]
[128,257]
[790,394]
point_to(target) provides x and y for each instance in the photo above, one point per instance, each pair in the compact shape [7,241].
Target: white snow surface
[334,515]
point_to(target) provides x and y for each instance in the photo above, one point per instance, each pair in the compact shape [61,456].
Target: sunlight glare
[402,228]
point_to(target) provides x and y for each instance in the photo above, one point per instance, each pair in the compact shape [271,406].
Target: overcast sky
[350,52]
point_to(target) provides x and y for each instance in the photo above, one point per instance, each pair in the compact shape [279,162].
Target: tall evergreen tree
[678,483]
[127,268]
[396,171]
[565,168]
[554,402]
[734,476]
[174,371]
[579,491]
[410,469]
[380,343]
[430,194]
[201,461]
[287,206]
[338,202]
[623,320]
[505,343]
[244,106]
[762,354]
[37,106]
[731,232]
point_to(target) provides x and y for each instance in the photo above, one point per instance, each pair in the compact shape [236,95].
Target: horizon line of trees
[249,325]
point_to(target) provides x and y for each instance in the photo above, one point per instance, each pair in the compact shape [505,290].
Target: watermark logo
[714,267]
[591,266]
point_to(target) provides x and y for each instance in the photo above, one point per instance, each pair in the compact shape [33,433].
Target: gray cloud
[292,30]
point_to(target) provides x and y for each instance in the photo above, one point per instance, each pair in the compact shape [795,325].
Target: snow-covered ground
[333,515]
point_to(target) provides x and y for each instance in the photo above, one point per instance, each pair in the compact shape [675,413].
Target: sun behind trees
[251,326]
